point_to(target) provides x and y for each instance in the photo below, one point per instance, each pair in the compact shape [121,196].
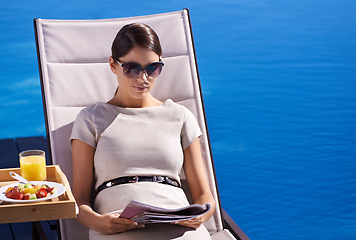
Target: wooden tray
[60,207]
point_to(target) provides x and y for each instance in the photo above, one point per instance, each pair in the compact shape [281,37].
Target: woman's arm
[198,183]
[83,166]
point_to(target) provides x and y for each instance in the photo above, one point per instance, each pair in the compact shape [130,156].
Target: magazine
[145,213]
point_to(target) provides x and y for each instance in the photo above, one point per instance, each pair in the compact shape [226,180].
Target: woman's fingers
[112,224]
[128,222]
[192,223]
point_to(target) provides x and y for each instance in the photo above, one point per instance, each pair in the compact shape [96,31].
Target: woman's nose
[142,76]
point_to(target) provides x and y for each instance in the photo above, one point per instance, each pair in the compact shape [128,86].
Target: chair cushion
[223,235]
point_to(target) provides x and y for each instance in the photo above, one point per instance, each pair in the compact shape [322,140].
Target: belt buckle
[157,180]
[175,183]
[134,179]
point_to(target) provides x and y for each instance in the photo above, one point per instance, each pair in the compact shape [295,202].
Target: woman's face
[140,87]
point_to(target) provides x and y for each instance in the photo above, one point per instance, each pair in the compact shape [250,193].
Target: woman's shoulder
[174,106]
[96,110]
[178,106]
[180,109]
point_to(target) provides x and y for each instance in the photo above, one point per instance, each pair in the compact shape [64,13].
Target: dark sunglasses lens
[131,70]
[154,69]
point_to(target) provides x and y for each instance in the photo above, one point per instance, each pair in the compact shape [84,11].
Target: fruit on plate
[29,191]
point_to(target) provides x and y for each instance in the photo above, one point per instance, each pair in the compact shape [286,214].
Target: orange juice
[33,165]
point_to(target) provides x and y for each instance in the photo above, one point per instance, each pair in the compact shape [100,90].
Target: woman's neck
[148,101]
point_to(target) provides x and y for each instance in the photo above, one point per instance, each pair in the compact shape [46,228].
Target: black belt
[135,179]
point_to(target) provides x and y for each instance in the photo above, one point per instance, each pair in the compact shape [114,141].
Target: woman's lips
[140,88]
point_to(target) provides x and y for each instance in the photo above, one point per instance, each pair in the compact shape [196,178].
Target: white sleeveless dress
[139,141]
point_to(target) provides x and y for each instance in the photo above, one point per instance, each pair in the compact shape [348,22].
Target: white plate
[60,189]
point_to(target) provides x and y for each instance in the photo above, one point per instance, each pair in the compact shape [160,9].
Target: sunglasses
[133,70]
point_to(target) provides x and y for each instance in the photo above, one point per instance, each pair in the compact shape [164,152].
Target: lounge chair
[73,62]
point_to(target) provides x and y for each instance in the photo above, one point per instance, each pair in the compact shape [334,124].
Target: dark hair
[135,35]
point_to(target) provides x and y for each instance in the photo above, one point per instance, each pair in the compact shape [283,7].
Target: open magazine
[145,213]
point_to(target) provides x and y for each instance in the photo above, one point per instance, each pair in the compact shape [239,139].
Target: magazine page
[145,213]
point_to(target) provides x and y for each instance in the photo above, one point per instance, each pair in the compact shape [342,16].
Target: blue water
[279,84]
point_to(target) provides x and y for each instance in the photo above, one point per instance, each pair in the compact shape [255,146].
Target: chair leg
[35,232]
[55,227]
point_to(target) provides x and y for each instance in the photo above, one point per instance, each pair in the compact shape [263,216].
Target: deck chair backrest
[73,58]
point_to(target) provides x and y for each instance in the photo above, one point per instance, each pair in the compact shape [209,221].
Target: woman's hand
[192,223]
[112,223]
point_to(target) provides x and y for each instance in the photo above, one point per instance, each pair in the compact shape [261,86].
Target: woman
[135,134]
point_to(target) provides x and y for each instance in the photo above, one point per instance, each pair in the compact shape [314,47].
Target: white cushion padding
[93,35]
[177,75]
[78,84]
[223,235]
[71,229]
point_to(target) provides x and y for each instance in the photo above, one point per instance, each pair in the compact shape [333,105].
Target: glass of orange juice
[33,165]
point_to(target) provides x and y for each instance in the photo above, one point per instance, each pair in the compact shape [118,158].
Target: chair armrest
[232,226]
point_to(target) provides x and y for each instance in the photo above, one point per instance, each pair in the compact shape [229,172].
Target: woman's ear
[113,65]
